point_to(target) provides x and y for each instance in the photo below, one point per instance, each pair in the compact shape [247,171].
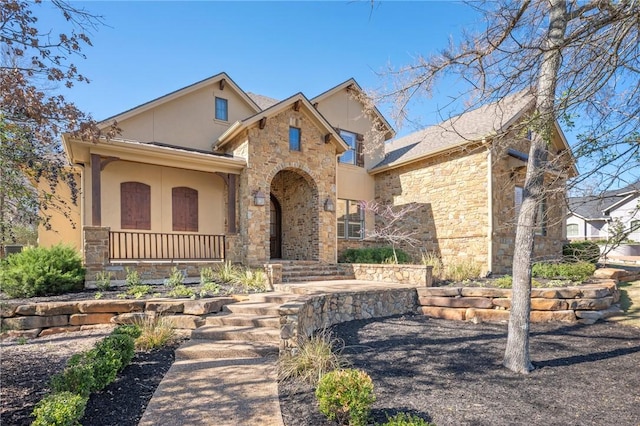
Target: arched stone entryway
[296,193]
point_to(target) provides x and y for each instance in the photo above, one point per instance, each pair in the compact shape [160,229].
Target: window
[135,205]
[350,219]
[572,230]
[222,109]
[294,139]
[354,154]
[184,207]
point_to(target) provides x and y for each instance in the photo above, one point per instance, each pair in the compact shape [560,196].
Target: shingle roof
[474,125]
[262,101]
[595,207]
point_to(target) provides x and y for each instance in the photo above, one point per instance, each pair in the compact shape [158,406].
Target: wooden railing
[124,245]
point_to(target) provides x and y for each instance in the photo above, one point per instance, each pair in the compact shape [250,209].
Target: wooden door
[275,229]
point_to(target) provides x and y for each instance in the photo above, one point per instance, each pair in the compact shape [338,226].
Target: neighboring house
[596,217]
[211,172]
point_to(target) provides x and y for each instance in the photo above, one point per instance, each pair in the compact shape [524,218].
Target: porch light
[329,206]
[258,198]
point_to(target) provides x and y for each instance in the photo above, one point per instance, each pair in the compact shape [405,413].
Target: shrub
[227,272]
[176,278]
[431,259]
[504,282]
[129,330]
[207,276]
[209,289]
[313,358]
[77,376]
[579,271]
[461,271]
[404,419]
[138,291]
[133,278]
[377,255]
[180,290]
[346,396]
[42,272]
[156,331]
[59,409]
[581,251]
[252,280]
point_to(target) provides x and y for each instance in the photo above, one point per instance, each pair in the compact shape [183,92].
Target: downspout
[489,209]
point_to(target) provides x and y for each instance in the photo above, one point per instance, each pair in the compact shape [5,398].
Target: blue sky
[276,49]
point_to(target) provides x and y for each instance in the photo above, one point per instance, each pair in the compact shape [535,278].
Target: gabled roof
[262,101]
[353,84]
[179,93]
[472,126]
[239,126]
[598,207]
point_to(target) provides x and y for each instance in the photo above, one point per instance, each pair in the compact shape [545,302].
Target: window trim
[218,111]
[356,148]
[141,211]
[183,203]
[573,226]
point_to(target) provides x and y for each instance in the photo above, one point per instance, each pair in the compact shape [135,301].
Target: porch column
[230,180]
[96,206]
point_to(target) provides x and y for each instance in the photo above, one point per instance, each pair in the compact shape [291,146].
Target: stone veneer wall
[451,193]
[42,319]
[300,319]
[585,303]
[418,275]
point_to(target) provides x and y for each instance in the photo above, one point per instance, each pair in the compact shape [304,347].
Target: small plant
[98,295]
[40,271]
[404,419]
[209,289]
[346,396]
[432,259]
[313,358]
[227,272]
[103,280]
[180,290]
[128,329]
[504,282]
[133,278]
[59,409]
[175,279]
[252,280]
[578,271]
[460,271]
[155,332]
[376,255]
[138,291]
[22,340]
[207,276]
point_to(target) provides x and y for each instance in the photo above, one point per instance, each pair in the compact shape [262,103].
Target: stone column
[96,249]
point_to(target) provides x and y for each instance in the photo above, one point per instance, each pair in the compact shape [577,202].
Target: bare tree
[32,116]
[580,60]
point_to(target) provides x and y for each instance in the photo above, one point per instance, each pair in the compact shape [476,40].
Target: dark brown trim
[263,122]
[230,180]
[96,204]
[222,83]
[296,105]
[104,162]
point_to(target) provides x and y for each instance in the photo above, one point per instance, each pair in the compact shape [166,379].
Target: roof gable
[221,79]
[296,101]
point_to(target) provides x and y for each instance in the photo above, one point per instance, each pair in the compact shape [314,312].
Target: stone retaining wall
[585,303]
[418,275]
[43,319]
[300,319]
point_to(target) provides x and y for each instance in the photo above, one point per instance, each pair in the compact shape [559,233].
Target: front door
[275,229]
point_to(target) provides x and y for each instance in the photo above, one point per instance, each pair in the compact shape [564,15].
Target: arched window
[572,230]
[184,202]
[135,205]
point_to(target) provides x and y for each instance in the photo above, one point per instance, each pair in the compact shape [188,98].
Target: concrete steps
[253,308]
[244,320]
[203,349]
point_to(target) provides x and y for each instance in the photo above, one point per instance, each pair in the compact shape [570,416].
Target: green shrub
[504,282]
[207,276]
[103,280]
[111,355]
[129,330]
[404,419]
[180,290]
[581,251]
[209,289]
[138,291]
[77,377]
[42,272]
[377,255]
[579,271]
[156,331]
[313,358]
[59,409]
[133,278]
[176,278]
[227,272]
[252,280]
[346,396]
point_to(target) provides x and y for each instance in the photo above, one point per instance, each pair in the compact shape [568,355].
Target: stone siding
[43,319]
[451,192]
[418,275]
[585,303]
[300,319]
[310,230]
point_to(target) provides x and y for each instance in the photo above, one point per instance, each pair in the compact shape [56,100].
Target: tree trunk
[516,355]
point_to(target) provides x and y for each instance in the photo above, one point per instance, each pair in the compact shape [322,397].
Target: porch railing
[124,245]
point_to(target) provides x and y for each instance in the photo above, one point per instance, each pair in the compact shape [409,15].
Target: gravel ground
[450,373]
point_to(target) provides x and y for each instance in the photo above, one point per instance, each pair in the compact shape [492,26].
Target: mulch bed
[450,373]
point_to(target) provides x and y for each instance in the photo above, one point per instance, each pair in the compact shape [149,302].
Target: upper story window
[354,154]
[135,205]
[350,217]
[184,206]
[222,109]
[572,230]
[294,139]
